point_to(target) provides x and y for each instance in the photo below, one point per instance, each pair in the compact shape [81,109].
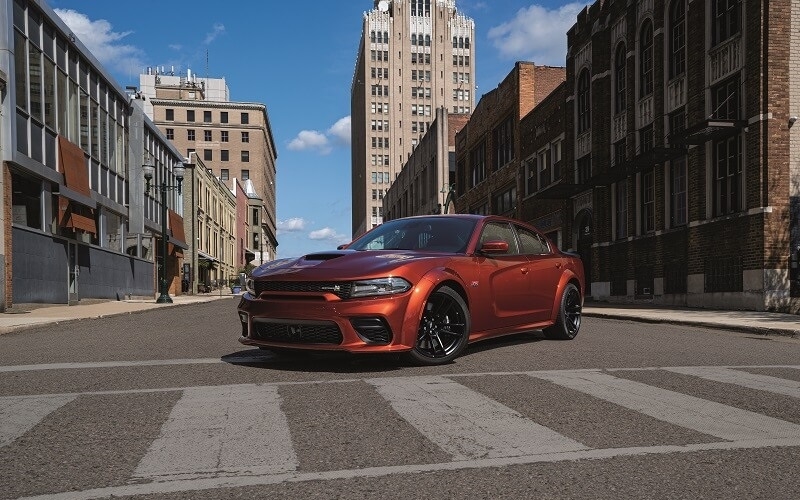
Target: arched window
[620,78]
[427,40]
[466,42]
[646,59]
[584,102]
[677,38]
[455,42]
[372,36]
[413,39]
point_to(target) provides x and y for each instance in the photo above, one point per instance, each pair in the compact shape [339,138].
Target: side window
[500,231]
[532,243]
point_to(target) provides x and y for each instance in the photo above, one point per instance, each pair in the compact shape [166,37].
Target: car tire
[568,321]
[443,330]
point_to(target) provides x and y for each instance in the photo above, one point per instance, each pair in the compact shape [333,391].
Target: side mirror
[494,247]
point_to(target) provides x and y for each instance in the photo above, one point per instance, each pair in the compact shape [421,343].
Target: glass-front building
[72,169]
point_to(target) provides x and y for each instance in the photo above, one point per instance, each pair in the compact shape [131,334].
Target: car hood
[344,264]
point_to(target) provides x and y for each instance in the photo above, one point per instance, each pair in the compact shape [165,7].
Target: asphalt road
[167,404]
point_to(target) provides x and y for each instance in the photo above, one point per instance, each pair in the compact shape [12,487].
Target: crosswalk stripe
[743,379]
[19,414]
[224,430]
[467,424]
[708,417]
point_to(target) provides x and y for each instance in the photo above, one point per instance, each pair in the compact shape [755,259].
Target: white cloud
[341,130]
[103,42]
[328,234]
[310,139]
[293,224]
[537,34]
[216,30]
[314,140]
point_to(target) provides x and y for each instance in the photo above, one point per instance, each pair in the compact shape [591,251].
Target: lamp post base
[164,299]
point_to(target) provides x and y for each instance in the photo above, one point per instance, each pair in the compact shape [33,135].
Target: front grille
[339,288]
[298,333]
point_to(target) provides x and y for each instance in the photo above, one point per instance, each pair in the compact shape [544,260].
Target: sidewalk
[30,315]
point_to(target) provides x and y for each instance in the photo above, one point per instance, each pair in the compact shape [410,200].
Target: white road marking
[162,488]
[19,414]
[264,453]
[766,383]
[230,430]
[467,424]
[243,357]
[708,417]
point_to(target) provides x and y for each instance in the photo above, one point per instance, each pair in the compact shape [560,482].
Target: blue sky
[298,59]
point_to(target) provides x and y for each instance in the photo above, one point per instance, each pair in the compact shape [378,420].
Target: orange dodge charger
[426,286]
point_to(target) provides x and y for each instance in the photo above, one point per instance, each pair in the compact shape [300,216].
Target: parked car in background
[426,286]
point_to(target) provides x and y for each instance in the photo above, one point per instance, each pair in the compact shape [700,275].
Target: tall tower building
[415,56]
[233,139]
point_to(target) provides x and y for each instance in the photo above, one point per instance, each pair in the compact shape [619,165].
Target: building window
[620,78]
[245,118]
[170,115]
[223,155]
[190,134]
[207,116]
[646,59]
[677,38]
[726,16]
[478,164]
[584,169]
[648,201]
[677,194]
[727,152]
[207,135]
[584,102]
[208,155]
[505,201]
[245,175]
[646,139]
[531,185]
[224,174]
[171,134]
[621,210]
[223,136]
[223,117]
[245,156]
[245,136]
[189,115]
[503,137]
[620,153]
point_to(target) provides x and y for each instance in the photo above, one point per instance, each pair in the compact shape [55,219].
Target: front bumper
[374,324]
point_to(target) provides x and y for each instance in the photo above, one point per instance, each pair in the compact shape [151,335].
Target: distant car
[423,285]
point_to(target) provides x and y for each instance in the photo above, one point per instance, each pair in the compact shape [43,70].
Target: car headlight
[379,286]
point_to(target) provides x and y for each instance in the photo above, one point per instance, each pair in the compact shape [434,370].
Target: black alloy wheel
[569,315]
[444,329]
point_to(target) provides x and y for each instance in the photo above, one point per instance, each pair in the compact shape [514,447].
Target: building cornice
[183,103]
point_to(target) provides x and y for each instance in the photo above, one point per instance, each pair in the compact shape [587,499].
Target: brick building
[488,155]
[677,149]
[424,185]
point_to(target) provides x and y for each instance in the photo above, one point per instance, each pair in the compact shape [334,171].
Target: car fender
[566,277]
[419,295]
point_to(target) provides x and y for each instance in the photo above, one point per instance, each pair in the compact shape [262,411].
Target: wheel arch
[429,284]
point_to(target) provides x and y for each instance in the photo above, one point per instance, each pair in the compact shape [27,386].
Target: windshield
[436,234]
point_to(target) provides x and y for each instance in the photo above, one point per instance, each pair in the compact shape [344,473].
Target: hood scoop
[323,256]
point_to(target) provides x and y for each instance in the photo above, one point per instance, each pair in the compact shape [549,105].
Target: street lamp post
[451,194]
[177,170]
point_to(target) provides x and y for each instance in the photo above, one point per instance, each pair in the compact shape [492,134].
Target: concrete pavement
[31,315]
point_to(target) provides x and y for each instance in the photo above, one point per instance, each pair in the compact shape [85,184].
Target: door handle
[558,265]
[524,270]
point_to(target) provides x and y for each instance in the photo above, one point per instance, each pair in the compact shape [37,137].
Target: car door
[504,295]
[545,270]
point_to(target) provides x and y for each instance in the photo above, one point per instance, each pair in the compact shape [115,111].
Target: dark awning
[707,130]
[205,256]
